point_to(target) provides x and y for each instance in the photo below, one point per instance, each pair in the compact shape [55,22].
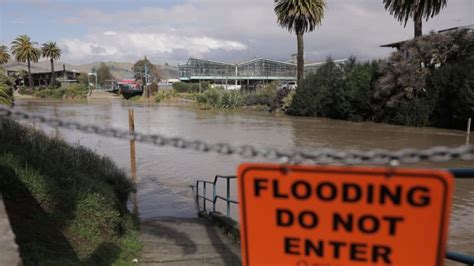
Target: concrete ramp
[186,241]
[98,94]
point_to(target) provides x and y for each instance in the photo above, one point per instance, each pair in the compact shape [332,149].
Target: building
[398,45]
[248,74]
[41,75]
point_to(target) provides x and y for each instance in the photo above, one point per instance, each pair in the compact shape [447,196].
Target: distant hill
[120,70]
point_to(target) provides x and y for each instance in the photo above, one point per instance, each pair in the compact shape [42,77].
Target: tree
[403,10]
[104,74]
[4,55]
[25,51]
[83,78]
[153,73]
[53,52]
[320,93]
[300,16]
[6,90]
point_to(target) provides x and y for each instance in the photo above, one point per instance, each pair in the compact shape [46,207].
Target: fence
[215,196]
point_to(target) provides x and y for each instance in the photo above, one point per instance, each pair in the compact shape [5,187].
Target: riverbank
[67,205]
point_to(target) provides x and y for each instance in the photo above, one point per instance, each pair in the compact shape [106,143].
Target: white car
[290,85]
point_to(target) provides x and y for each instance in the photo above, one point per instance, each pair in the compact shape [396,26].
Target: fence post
[469,126]
[468,135]
[228,197]
[204,198]
[214,197]
[197,191]
[133,160]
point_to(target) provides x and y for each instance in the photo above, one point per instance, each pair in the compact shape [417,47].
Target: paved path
[186,241]
[97,94]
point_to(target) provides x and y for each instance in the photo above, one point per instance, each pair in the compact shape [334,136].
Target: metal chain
[318,156]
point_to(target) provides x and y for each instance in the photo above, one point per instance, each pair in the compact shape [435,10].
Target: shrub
[320,93]
[25,90]
[76,90]
[83,194]
[452,86]
[182,87]
[404,87]
[221,99]
[265,96]
[164,95]
[359,80]
[6,89]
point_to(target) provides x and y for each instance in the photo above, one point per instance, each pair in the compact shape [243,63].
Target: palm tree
[4,55]
[25,51]
[403,10]
[51,51]
[300,16]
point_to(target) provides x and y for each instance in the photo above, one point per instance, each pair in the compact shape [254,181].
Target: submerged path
[186,241]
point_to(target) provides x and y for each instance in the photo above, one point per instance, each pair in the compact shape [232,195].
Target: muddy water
[165,174]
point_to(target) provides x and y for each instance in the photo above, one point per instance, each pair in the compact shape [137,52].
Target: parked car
[288,85]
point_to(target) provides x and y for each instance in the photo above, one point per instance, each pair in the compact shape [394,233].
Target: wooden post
[133,160]
[468,135]
[469,126]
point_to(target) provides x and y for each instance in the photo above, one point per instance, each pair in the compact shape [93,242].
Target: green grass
[69,203]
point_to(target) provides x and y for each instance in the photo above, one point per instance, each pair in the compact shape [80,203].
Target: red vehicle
[129,88]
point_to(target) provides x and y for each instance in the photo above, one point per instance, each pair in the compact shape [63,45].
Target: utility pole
[248,65]
[146,80]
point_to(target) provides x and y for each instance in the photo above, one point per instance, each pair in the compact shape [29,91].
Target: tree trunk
[418,25]
[53,75]
[300,59]
[30,78]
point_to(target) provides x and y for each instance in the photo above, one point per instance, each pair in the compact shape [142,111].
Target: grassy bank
[67,204]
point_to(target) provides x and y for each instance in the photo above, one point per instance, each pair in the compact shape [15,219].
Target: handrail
[215,197]
[459,173]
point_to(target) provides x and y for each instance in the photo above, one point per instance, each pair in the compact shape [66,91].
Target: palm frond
[24,49]
[403,10]
[51,50]
[299,15]
[4,55]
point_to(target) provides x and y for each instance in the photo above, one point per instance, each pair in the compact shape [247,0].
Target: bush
[220,98]
[164,95]
[6,90]
[73,91]
[181,87]
[265,96]
[76,90]
[321,93]
[409,87]
[84,196]
[453,87]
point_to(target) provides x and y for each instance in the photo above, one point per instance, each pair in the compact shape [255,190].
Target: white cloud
[109,33]
[133,45]
[222,28]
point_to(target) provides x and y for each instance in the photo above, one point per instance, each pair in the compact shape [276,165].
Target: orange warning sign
[325,215]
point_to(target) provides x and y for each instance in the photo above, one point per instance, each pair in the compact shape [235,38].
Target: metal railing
[215,196]
[460,173]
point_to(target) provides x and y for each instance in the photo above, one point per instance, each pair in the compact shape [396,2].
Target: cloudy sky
[227,30]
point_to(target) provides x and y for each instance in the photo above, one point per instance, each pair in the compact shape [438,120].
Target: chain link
[318,156]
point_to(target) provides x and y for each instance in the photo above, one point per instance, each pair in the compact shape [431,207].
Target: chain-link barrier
[317,156]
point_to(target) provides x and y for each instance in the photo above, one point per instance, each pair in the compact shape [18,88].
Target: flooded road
[165,174]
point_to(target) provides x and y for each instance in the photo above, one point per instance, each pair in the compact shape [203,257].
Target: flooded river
[165,174]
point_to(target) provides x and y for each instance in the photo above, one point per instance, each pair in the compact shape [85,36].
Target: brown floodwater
[165,174]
